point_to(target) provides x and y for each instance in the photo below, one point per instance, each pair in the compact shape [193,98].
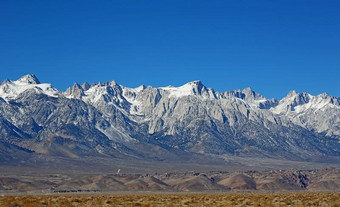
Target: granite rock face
[108,119]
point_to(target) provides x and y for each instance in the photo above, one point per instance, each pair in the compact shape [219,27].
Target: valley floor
[178,199]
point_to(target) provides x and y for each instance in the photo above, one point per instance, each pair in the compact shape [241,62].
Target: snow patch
[10,90]
[130,94]
[315,103]
[184,90]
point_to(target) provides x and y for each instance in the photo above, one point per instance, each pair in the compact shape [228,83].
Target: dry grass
[179,199]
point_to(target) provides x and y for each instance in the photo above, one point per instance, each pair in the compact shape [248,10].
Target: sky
[270,46]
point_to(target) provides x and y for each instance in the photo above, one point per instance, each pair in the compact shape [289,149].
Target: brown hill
[14,184]
[199,183]
[275,184]
[147,183]
[239,182]
[92,183]
[273,180]
[328,180]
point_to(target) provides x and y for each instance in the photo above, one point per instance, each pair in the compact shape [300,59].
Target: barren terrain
[40,182]
[179,199]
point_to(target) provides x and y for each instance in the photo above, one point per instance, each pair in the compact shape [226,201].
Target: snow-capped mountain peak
[194,88]
[191,117]
[29,79]
[296,102]
[292,93]
[140,88]
[85,86]
[76,91]
[9,90]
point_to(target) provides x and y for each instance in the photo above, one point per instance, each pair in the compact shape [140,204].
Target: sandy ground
[177,199]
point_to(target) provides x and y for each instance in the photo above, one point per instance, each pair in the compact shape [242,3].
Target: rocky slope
[108,119]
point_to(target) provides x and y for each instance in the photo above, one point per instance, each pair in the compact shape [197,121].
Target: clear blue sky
[273,46]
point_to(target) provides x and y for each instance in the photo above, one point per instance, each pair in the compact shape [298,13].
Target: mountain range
[113,121]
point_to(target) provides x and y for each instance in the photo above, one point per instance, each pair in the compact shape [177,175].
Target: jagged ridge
[110,119]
